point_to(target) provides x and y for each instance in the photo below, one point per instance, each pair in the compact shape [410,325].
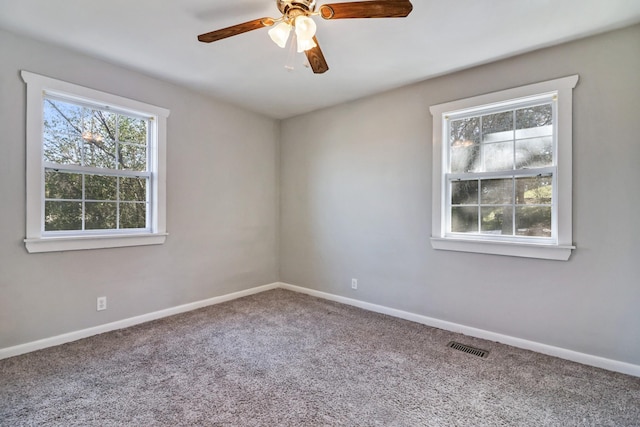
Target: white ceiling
[365,56]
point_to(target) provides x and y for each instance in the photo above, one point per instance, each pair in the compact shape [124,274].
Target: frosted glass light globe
[280,33]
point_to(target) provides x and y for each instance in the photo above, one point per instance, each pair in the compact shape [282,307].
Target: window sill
[76,243]
[552,252]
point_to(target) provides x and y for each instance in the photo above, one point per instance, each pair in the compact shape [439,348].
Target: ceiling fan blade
[234,30]
[316,59]
[367,9]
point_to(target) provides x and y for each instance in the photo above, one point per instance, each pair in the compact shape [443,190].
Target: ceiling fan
[296,16]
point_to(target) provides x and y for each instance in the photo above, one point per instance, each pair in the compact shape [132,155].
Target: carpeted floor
[281,358]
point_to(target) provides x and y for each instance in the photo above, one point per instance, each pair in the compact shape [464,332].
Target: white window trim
[35,240]
[561,250]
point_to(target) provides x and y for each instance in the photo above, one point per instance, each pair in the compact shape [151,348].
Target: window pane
[60,216]
[465,158]
[464,136]
[497,220]
[133,189]
[534,152]
[99,125]
[100,187]
[99,131]
[99,153]
[532,117]
[464,132]
[131,129]
[60,185]
[533,221]
[62,130]
[496,191]
[497,127]
[498,156]
[464,219]
[133,215]
[100,216]
[133,157]
[536,190]
[62,117]
[62,149]
[464,192]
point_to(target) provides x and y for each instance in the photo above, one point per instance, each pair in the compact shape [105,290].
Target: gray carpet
[285,359]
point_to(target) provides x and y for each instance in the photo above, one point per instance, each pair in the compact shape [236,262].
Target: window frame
[37,240]
[558,248]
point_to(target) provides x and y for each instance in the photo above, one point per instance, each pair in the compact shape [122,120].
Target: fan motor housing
[285,5]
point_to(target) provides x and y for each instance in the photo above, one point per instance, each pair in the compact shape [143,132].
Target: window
[95,168]
[502,172]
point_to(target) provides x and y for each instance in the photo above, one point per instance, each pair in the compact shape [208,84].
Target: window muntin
[501,171]
[108,179]
[503,140]
[95,168]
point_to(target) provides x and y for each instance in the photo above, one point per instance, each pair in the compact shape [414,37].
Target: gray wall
[221,207]
[356,203]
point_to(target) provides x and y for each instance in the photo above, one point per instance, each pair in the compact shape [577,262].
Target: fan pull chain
[291,56]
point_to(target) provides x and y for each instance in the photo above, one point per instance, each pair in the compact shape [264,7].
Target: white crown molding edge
[574,356]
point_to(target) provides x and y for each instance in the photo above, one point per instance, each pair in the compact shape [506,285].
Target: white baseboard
[574,356]
[586,359]
[84,333]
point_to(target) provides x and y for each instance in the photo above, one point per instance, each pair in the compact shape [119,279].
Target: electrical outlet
[101,304]
[354,283]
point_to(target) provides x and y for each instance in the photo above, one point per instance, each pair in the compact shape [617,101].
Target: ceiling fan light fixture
[280,34]
[298,13]
[304,45]
[305,31]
